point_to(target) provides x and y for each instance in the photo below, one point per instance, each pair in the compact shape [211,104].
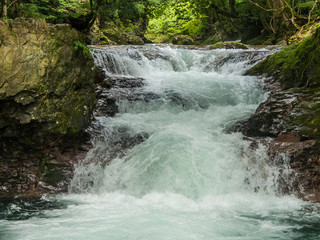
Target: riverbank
[176,171]
[47,95]
[42,122]
[290,116]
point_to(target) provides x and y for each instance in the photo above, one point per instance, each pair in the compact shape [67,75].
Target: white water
[189,179]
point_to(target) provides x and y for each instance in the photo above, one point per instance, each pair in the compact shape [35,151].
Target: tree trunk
[277,15]
[211,20]
[4,8]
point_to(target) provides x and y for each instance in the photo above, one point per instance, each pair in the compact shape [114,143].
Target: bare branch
[265,9]
[293,15]
[11,3]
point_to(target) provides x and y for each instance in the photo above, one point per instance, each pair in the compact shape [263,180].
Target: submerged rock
[47,92]
[113,88]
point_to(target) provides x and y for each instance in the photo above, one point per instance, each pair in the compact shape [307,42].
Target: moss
[158,38]
[52,87]
[306,115]
[310,124]
[297,67]
[294,66]
[267,42]
[182,40]
[228,45]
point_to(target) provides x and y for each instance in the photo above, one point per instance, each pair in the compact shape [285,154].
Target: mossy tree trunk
[279,17]
[277,5]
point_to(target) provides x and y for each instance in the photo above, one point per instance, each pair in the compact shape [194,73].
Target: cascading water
[176,170]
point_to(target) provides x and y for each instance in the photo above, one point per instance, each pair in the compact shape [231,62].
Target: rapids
[188,176]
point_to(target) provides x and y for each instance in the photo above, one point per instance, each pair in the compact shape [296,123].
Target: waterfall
[196,96]
[164,163]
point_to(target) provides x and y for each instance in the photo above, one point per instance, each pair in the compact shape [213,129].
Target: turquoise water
[190,178]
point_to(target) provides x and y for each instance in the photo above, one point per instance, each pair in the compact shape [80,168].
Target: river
[185,175]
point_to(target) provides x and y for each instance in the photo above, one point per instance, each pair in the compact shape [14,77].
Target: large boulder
[228,45]
[290,117]
[43,78]
[182,40]
[297,65]
[47,94]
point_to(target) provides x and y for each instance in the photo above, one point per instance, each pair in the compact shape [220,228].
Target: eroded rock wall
[47,95]
[291,114]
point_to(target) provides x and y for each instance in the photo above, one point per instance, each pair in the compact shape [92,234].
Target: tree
[287,13]
[4,9]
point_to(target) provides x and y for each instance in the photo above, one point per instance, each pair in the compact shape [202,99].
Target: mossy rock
[228,45]
[297,65]
[307,113]
[183,40]
[47,96]
[297,68]
[158,38]
[44,79]
[122,38]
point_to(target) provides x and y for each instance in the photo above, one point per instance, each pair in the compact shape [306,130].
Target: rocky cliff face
[47,95]
[291,114]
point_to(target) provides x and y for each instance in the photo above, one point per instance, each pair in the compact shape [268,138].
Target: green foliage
[199,19]
[307,5]
[54,11]
[85,49]
[176,18]
[303,7]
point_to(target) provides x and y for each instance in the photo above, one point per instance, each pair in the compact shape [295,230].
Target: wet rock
[44,79]
[228,45]
[100,75]
[115,144]
[182,40]
[280,118]
[291,116]
[186,102]
[134,54]
[251,57]
[106,107]
[114,88]
[48,169]
[127,82]
[46,99]
[272,116]
[156,55]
